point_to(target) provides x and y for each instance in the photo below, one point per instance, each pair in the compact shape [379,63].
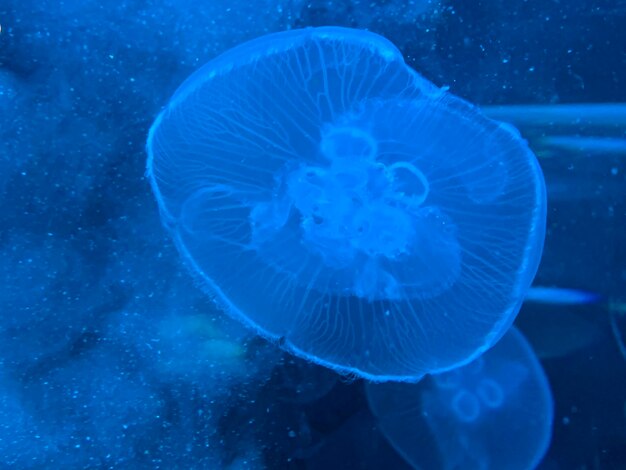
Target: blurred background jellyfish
[333,199]
[183,339]
[587,129]
[493,413]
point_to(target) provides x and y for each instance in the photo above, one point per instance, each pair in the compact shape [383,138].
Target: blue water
[112,352]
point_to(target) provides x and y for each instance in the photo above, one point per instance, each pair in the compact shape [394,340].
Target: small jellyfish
[334,200]
[495,412]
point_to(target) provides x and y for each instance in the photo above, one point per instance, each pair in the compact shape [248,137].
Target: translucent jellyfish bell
[330,197]
[496,412]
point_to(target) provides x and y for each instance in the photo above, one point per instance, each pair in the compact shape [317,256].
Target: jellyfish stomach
[366,221]
[357,207]
[358,213]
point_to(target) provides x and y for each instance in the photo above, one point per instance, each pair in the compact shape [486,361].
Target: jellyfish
[587,145]
[587,129]
[572,116]
[561,296]
[495,412]
[331,198]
